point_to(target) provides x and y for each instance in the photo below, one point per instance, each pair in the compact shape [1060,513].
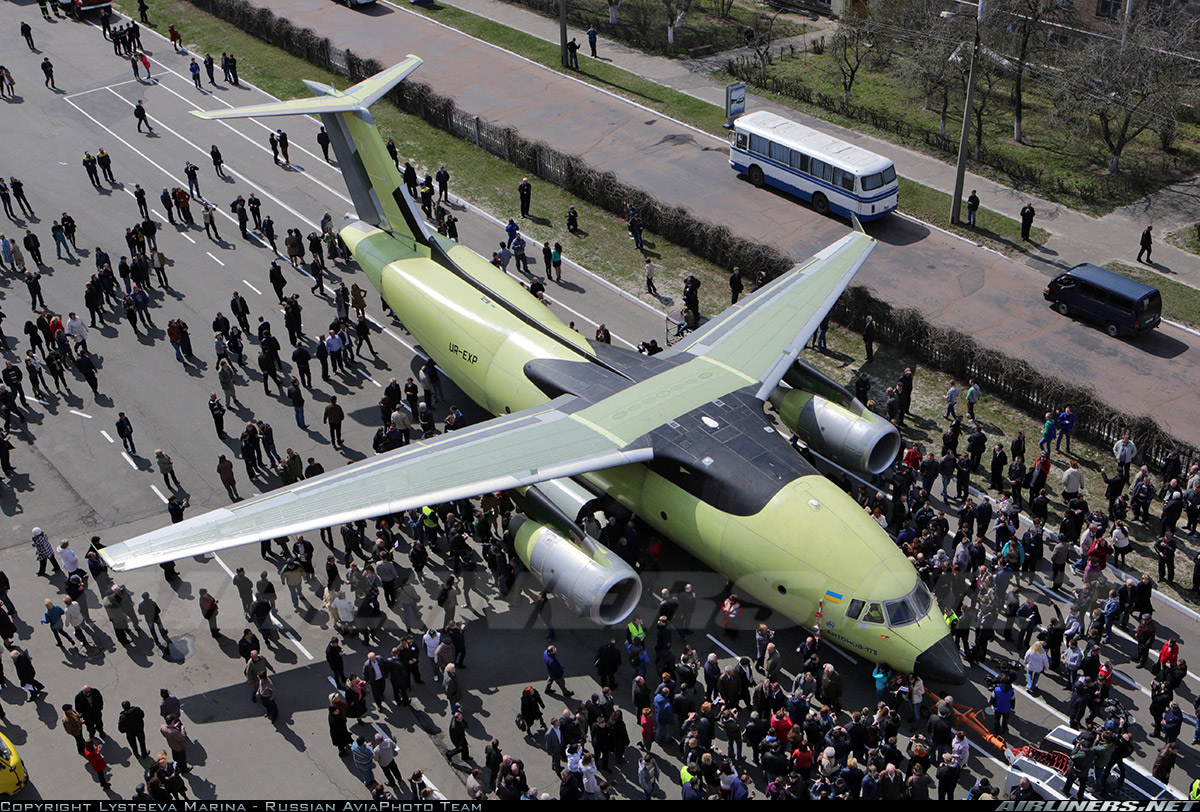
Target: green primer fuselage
[810,547]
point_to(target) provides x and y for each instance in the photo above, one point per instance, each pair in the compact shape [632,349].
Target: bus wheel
[756,176]
[820,203]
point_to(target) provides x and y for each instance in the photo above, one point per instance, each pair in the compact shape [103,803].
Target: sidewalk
[1075,237]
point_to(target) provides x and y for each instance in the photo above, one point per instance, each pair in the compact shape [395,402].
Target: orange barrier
[971,718]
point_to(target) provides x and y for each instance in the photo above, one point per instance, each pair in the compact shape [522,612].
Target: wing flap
[507,452]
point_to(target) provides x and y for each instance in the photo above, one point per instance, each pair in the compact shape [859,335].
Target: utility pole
[960,168]
[562,32]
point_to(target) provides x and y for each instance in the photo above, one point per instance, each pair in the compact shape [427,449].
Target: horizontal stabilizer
[359,97]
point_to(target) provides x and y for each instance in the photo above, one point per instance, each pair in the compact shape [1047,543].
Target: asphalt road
[74,480]
[952,282]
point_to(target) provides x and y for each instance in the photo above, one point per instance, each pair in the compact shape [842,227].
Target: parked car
[13,775]
[1091,293]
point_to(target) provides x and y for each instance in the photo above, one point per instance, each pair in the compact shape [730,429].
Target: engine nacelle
[597,584]
[862,441]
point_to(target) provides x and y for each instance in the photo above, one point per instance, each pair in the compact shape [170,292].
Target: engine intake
[862,441]
[588,577]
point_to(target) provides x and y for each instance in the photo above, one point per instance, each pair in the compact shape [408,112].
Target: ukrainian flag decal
[833,596]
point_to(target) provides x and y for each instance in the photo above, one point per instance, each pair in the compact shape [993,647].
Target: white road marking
[256,290]
[158,493]
[277,621]
[81,414]
[388,331]
[224,566]
[291,144]
[579,315]
[233,172]
[214,259]
[44,403]
[728,650]
[106,437]
[129,460]
[184,234]
[105,87]
[298,645]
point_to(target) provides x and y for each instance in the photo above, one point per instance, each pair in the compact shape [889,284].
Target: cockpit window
[900,612]
[874,614]
[854,609]
[911,608]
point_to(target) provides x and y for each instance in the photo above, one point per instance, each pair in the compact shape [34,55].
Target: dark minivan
[1092,293]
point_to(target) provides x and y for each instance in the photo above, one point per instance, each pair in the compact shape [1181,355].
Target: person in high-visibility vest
[429,524]
[635,632]
[1194,792]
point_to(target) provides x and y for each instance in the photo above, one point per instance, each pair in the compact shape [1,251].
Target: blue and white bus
[830,173]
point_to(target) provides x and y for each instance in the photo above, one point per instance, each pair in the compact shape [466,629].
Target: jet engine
[585,575]
[860,440]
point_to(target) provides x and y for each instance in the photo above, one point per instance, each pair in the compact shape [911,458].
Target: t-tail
[372,179]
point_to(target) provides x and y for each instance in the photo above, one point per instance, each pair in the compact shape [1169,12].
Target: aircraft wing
[544,442]
[763,334]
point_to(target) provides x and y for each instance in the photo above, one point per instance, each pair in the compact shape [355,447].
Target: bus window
[872,182]
[759,144]
[874,614]
[854,609]
[846,181]
[799,161]
[816,168]
[889,175]
[780,153]
[741,140]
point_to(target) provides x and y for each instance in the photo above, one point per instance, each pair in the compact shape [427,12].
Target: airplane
[682,438]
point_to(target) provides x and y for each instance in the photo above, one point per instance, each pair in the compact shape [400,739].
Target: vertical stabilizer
[375,185]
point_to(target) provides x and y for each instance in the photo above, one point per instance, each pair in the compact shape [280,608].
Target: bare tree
[1128,84]
[931,68]
[676,9]
[1026,27]
[764,34]
[851,45]
[721,8]
[613,6]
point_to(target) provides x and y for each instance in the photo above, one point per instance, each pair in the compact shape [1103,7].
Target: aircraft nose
[940,663]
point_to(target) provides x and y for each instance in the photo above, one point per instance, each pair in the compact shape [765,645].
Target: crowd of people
[754,725]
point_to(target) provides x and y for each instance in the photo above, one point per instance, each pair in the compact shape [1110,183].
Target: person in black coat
[608,662]
[396,669]
[132,722]
[339,734]
[89,703]
[868,335]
